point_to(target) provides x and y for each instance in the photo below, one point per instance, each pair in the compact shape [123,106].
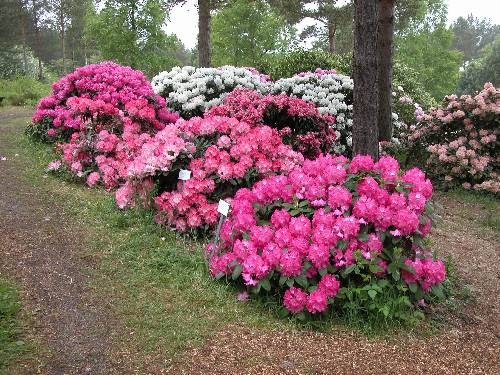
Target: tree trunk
[204,33]
[332,28]
[35,11]
[25,56]
[385,36]
[40,69]
[62,27]
[365,96]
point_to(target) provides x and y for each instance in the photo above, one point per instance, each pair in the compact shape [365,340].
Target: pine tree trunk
[62,27]
[40,69]
[25,56]
[204,33]
[385,36]
[365,101]
[332,28]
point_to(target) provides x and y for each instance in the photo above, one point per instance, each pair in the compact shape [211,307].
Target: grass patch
[22,91]
[12,346]
[486,207]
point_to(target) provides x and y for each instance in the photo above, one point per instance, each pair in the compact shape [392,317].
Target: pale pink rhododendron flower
[461,140]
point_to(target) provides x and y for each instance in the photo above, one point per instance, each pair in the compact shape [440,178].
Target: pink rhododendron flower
[93,178]
[319,256]
[317,301]
[295,300]
[330,285]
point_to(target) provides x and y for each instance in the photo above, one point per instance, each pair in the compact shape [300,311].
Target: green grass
[12,346]
[487,204]
[22,91]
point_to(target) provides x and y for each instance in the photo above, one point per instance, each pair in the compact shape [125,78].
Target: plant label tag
[223,207]
[184,174]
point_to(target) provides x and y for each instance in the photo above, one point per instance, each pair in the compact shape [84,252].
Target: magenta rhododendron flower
[317,301]
[362,220]
[427,272]
[295,300]
[329,285]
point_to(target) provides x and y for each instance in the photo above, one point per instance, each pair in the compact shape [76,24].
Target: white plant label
[223,207]
[184,174]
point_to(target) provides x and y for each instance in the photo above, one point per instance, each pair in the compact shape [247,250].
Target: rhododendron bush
[190,91]
[331,93]
[459,141]
[299,122]
[229,154]
[101,115]
[333,232]
[105,89]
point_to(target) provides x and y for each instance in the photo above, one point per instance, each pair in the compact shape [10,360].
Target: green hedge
[283,65]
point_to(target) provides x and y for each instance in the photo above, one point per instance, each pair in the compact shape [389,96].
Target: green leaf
[383,283]
[349,269]
[396,276]
[256,289]
[372,293]
[265,284]
[282,312]
[302,281]
[303,203]
[220,275]
[408,268]
[289,282]
[363,237]
[236,272]
[375,269]
[283,280]
[413,287]
[322,272]
[392,268]
[342,244]
[385,310]
[383,235]
[295,212]
[437,290]
[301,316]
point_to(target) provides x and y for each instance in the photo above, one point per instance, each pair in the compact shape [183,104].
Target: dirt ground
[39,249]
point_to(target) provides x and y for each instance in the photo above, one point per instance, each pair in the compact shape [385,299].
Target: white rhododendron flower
[190,91]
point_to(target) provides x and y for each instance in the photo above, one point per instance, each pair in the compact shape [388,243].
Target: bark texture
[332,28]
[365,97]
[204,55]
[385,45]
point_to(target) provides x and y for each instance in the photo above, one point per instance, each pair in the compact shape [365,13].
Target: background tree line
[49,38]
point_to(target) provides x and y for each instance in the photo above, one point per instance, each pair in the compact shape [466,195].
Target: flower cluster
[190,91]
[459,142]
[299,122]
[104,89]
[101,115]
[331,93]
[229,154]
[306,232]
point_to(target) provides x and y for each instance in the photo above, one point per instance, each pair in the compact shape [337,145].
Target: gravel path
[39,250]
